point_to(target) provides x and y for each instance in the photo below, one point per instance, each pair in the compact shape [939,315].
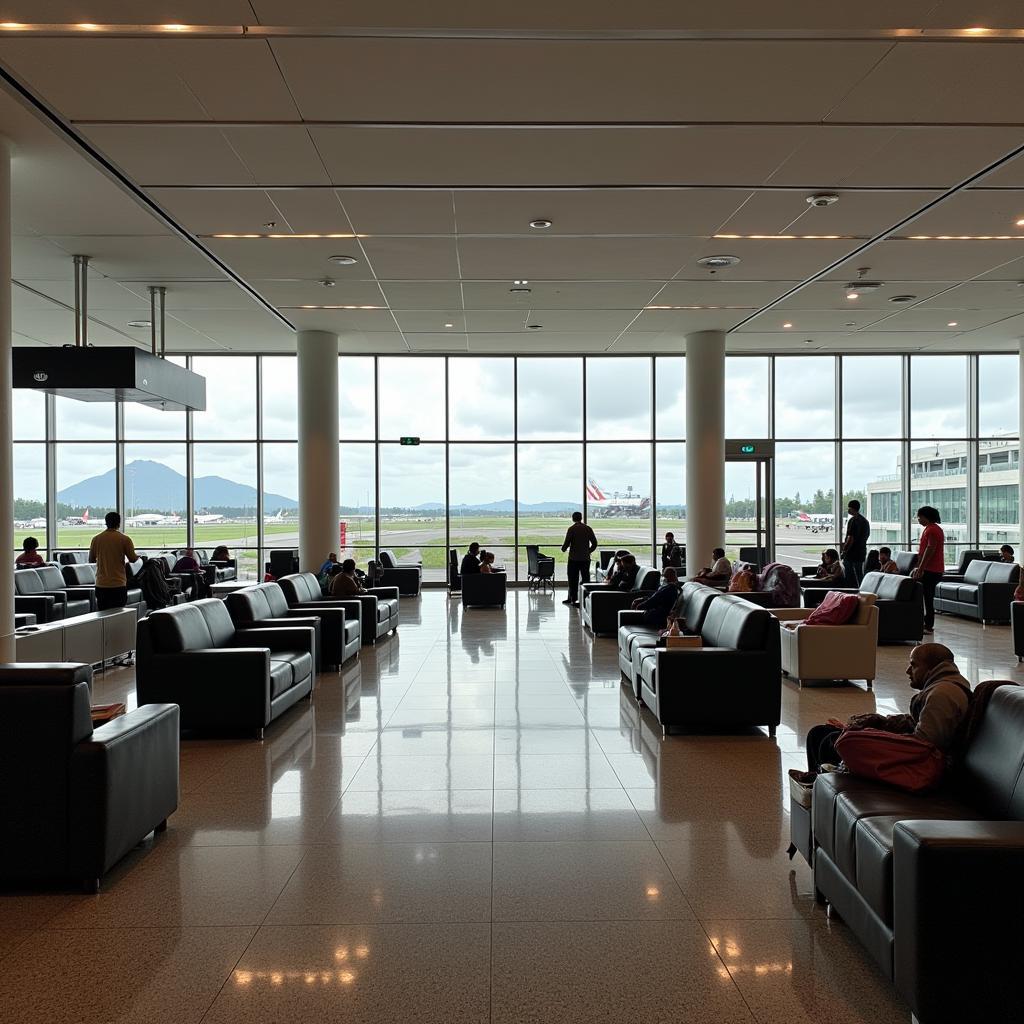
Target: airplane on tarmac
[37,524]
[629,504]
[153,519]
[82,520]
[817,521]
[206,520]
[281,517]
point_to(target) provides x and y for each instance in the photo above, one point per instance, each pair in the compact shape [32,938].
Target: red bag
[903,761]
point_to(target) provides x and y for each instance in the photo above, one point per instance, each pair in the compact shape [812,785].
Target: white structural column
[1020,463]
[318,446]
[705,447]
[6,426]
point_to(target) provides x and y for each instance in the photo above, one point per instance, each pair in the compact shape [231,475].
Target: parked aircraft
[604,506]
[82,520]
[206,520]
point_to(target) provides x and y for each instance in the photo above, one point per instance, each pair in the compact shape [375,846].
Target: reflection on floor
[473,823]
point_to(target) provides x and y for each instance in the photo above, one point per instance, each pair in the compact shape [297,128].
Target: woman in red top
[931,560]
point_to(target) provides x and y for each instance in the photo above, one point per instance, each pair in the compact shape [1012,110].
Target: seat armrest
[950,879]
[384,592]
[789,614]
[283,638]
[630,616]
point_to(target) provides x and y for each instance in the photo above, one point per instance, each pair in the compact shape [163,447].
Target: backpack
[782,583]
[153,585]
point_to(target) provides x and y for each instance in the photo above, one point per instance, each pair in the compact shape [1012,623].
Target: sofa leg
[871,683]
[91,885]
[819,897]
[831,913]
[259,734]
[771,731]
[162,827]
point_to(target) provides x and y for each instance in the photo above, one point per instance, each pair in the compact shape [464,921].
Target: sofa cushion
[50,577]
[965,594]
[282,676]
[303,587]
[79,574]
[994,762]
[218,621]
[277,604]
[888,586]
[648,659]
[27,582]
[182,628]
[351,629]
[735,623]
[976,571]
[835,610]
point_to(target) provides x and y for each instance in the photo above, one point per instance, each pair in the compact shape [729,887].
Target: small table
[103,713]
[222,590]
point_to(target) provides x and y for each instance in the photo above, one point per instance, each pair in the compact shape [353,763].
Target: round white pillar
[1020,463]
[6,425]
[705,447]
[318,446]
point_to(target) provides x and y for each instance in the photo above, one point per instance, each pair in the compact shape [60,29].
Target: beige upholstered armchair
[830,652]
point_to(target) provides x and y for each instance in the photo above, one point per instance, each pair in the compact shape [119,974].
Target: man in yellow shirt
[109,550]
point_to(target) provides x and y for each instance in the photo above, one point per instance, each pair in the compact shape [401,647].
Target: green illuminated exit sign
[748,449]
[410,440]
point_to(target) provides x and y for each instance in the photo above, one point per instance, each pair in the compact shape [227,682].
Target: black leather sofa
[690,610]
[215,572]
[83,575]
[484,590]
[984,593]
[905,561]
[601,604]
[733,680]
[407,576]
[282,562]
[75,799]
[931,884]
[377,609]
[967,556]
[70,557]
[31,599]
[264,604]
[221,677]
[899,600]
[48,580]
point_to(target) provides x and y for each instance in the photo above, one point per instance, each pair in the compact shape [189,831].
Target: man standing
[109,550]
[855,547]
[581,543]
[671,553]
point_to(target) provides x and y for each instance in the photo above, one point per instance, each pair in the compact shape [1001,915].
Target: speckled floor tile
[531,815]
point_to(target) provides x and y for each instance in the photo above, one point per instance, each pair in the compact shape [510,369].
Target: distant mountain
[154,486]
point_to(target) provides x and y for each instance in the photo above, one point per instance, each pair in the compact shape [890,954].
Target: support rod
[81,301]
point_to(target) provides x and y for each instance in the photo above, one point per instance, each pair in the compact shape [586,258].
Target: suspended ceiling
[431,135]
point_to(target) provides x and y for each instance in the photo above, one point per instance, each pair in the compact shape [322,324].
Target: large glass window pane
[998,493]
[155,495]
[84,421]
[550,397]
[30,494]
[230,398]
[872,396]
[412,397]
[872,474]
[358,489]
[550,490]
[938,477]
[804,502]
[412,504]
[86,491]
[619,496]
[670,481]
[670,397]
[29,415]
[938,396]
[280,497]
[280,397]
[998,400]
[225,502]
[481,495]
[144,423]
[805,390]
[480,399]
[357,416]
[746,396]
[618,398]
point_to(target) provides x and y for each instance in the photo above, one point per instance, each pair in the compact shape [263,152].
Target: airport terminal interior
[344,311]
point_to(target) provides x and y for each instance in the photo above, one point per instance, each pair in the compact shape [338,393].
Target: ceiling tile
[717,291]
[559,295]
[343,322]
[422,294]
[277,155]
[311,293]
[832,295]
[390,212]
[1004,295]
[283,258]
[678,322]
[973,212]
[412,258]
[931,260]
[132,258]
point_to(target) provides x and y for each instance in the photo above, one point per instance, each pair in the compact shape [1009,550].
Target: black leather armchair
[905,561]
[540,569]
[404,575]
[282,562]
[454,576]
[75,800]
[215,572]
[377,609]
[911,874]
[984,594]
[484,589]
[82,575]
[264,604]
[602,604]
[47,580]
[733,680]
[221,677]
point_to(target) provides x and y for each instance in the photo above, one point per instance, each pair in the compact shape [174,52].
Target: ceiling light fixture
[310,306]
[853,295]
[140,323]
[787,325]
[717,262]
[952,323]
[342,261]
[791,238]
[820,199]
[955,238]
[276,235]
[326,282]
[535,327]
[520,291]
[540,224]
[449,325]
[1020,223]
[903,298]
[524,281]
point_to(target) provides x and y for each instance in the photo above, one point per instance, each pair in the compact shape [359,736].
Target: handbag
[897,759]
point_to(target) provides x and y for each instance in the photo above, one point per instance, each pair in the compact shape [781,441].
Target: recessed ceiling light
[865,286]
[787,324]
[823,199]
[952,323]
[1020,223]
[792,238]
[449,325]
[714,262]
[270,223]
[540,224]
[535,327]
[327,282]
[520,291]
[849,323]
[523,281]
[903,298]
[343,261]
[140,323]
[853,295]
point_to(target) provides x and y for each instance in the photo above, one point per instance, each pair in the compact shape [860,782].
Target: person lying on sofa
[936,711]
[657,606]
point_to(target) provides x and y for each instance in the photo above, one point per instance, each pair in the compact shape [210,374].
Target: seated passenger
[220,554]
[470,561]
[487,561]
[187,562]
[1006,553]
[659,605]
[343,580]
[936,711]
[625,578]
[329,563]
[720,570]
[29,557]
[886,563]
[615,567]
[831,569]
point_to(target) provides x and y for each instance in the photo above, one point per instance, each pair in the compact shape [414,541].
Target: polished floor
[472,823]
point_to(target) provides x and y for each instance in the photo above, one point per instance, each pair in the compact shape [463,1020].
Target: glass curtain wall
[507,448]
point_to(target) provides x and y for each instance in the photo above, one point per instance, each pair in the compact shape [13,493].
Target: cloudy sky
[483,396]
